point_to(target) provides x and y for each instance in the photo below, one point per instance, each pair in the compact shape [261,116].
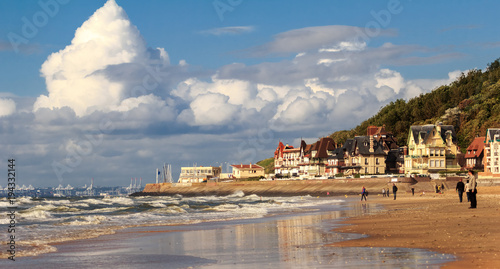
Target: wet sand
[436,222]
[292,240]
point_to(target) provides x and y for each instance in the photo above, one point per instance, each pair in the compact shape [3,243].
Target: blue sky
[230,71]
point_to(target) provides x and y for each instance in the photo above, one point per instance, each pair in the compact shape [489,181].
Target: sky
[112,90]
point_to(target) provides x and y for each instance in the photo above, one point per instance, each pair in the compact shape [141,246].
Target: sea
[42,224]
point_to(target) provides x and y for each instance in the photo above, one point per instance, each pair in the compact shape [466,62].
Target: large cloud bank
[116,108]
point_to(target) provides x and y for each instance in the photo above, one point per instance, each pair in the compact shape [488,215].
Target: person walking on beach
[460,189]
[383,192]
[394,190]
[387,192]
[412,191]
[472,189]
[467,190]
[363,193]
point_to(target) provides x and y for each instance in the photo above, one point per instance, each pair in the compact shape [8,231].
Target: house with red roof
[247,170]
[475,154]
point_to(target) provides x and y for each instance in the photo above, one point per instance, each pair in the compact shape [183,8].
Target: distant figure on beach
[383,192]
[472,189]
[394,190]
[467,191]
[437,189]
[460,189]
[387,192]
[363,193]
[412,191]
[442,187]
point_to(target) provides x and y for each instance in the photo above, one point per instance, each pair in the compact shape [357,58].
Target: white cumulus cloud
[74,76]
[7,107]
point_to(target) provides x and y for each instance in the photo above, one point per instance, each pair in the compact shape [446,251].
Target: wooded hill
[471,104]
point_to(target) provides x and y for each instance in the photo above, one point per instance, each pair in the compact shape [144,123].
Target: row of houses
[375,153]
[430,149]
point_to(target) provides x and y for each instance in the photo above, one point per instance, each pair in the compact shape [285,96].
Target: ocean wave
[57,202]
[119,200]
[85,220]
[35,214]
[238,194]
[169,210]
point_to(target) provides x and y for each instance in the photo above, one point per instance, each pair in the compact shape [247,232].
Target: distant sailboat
[166,174]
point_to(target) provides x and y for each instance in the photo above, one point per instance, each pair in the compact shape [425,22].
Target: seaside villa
[492,154]
[431,148]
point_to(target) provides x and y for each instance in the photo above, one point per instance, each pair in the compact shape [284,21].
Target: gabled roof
[322,147]
[279,150]
[350,145]
[338,153]
[475,148]
[490,134]
[363,145]
[424,132]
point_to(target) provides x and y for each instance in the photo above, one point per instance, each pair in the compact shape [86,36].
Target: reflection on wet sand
[290,242]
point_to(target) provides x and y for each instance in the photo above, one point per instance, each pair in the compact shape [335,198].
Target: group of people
[385,192]
[470,189]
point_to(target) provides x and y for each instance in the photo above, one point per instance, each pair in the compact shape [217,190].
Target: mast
[157,173]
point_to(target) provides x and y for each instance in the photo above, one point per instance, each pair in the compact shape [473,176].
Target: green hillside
[268,165]
[471,104]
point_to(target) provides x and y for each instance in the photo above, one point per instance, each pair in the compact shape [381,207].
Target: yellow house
[431,148]
[247,170]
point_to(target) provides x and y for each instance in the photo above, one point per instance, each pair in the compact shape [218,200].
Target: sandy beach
[431,230]
[436,222]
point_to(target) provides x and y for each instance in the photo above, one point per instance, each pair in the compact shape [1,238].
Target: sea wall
[287,187]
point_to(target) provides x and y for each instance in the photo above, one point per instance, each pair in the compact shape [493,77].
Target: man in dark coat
[460,189]
[394,190]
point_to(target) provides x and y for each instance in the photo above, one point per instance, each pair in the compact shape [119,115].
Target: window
[376,161]
[366,160]
[432,164]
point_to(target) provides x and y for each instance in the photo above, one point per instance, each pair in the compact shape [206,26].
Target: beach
[426,230]
[436,222]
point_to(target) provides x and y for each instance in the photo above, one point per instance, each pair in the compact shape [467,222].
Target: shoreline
[436,222]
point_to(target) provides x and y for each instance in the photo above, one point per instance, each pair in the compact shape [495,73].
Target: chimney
[371,144]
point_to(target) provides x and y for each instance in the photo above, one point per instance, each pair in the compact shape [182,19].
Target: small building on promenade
[198,174]
[247,170]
